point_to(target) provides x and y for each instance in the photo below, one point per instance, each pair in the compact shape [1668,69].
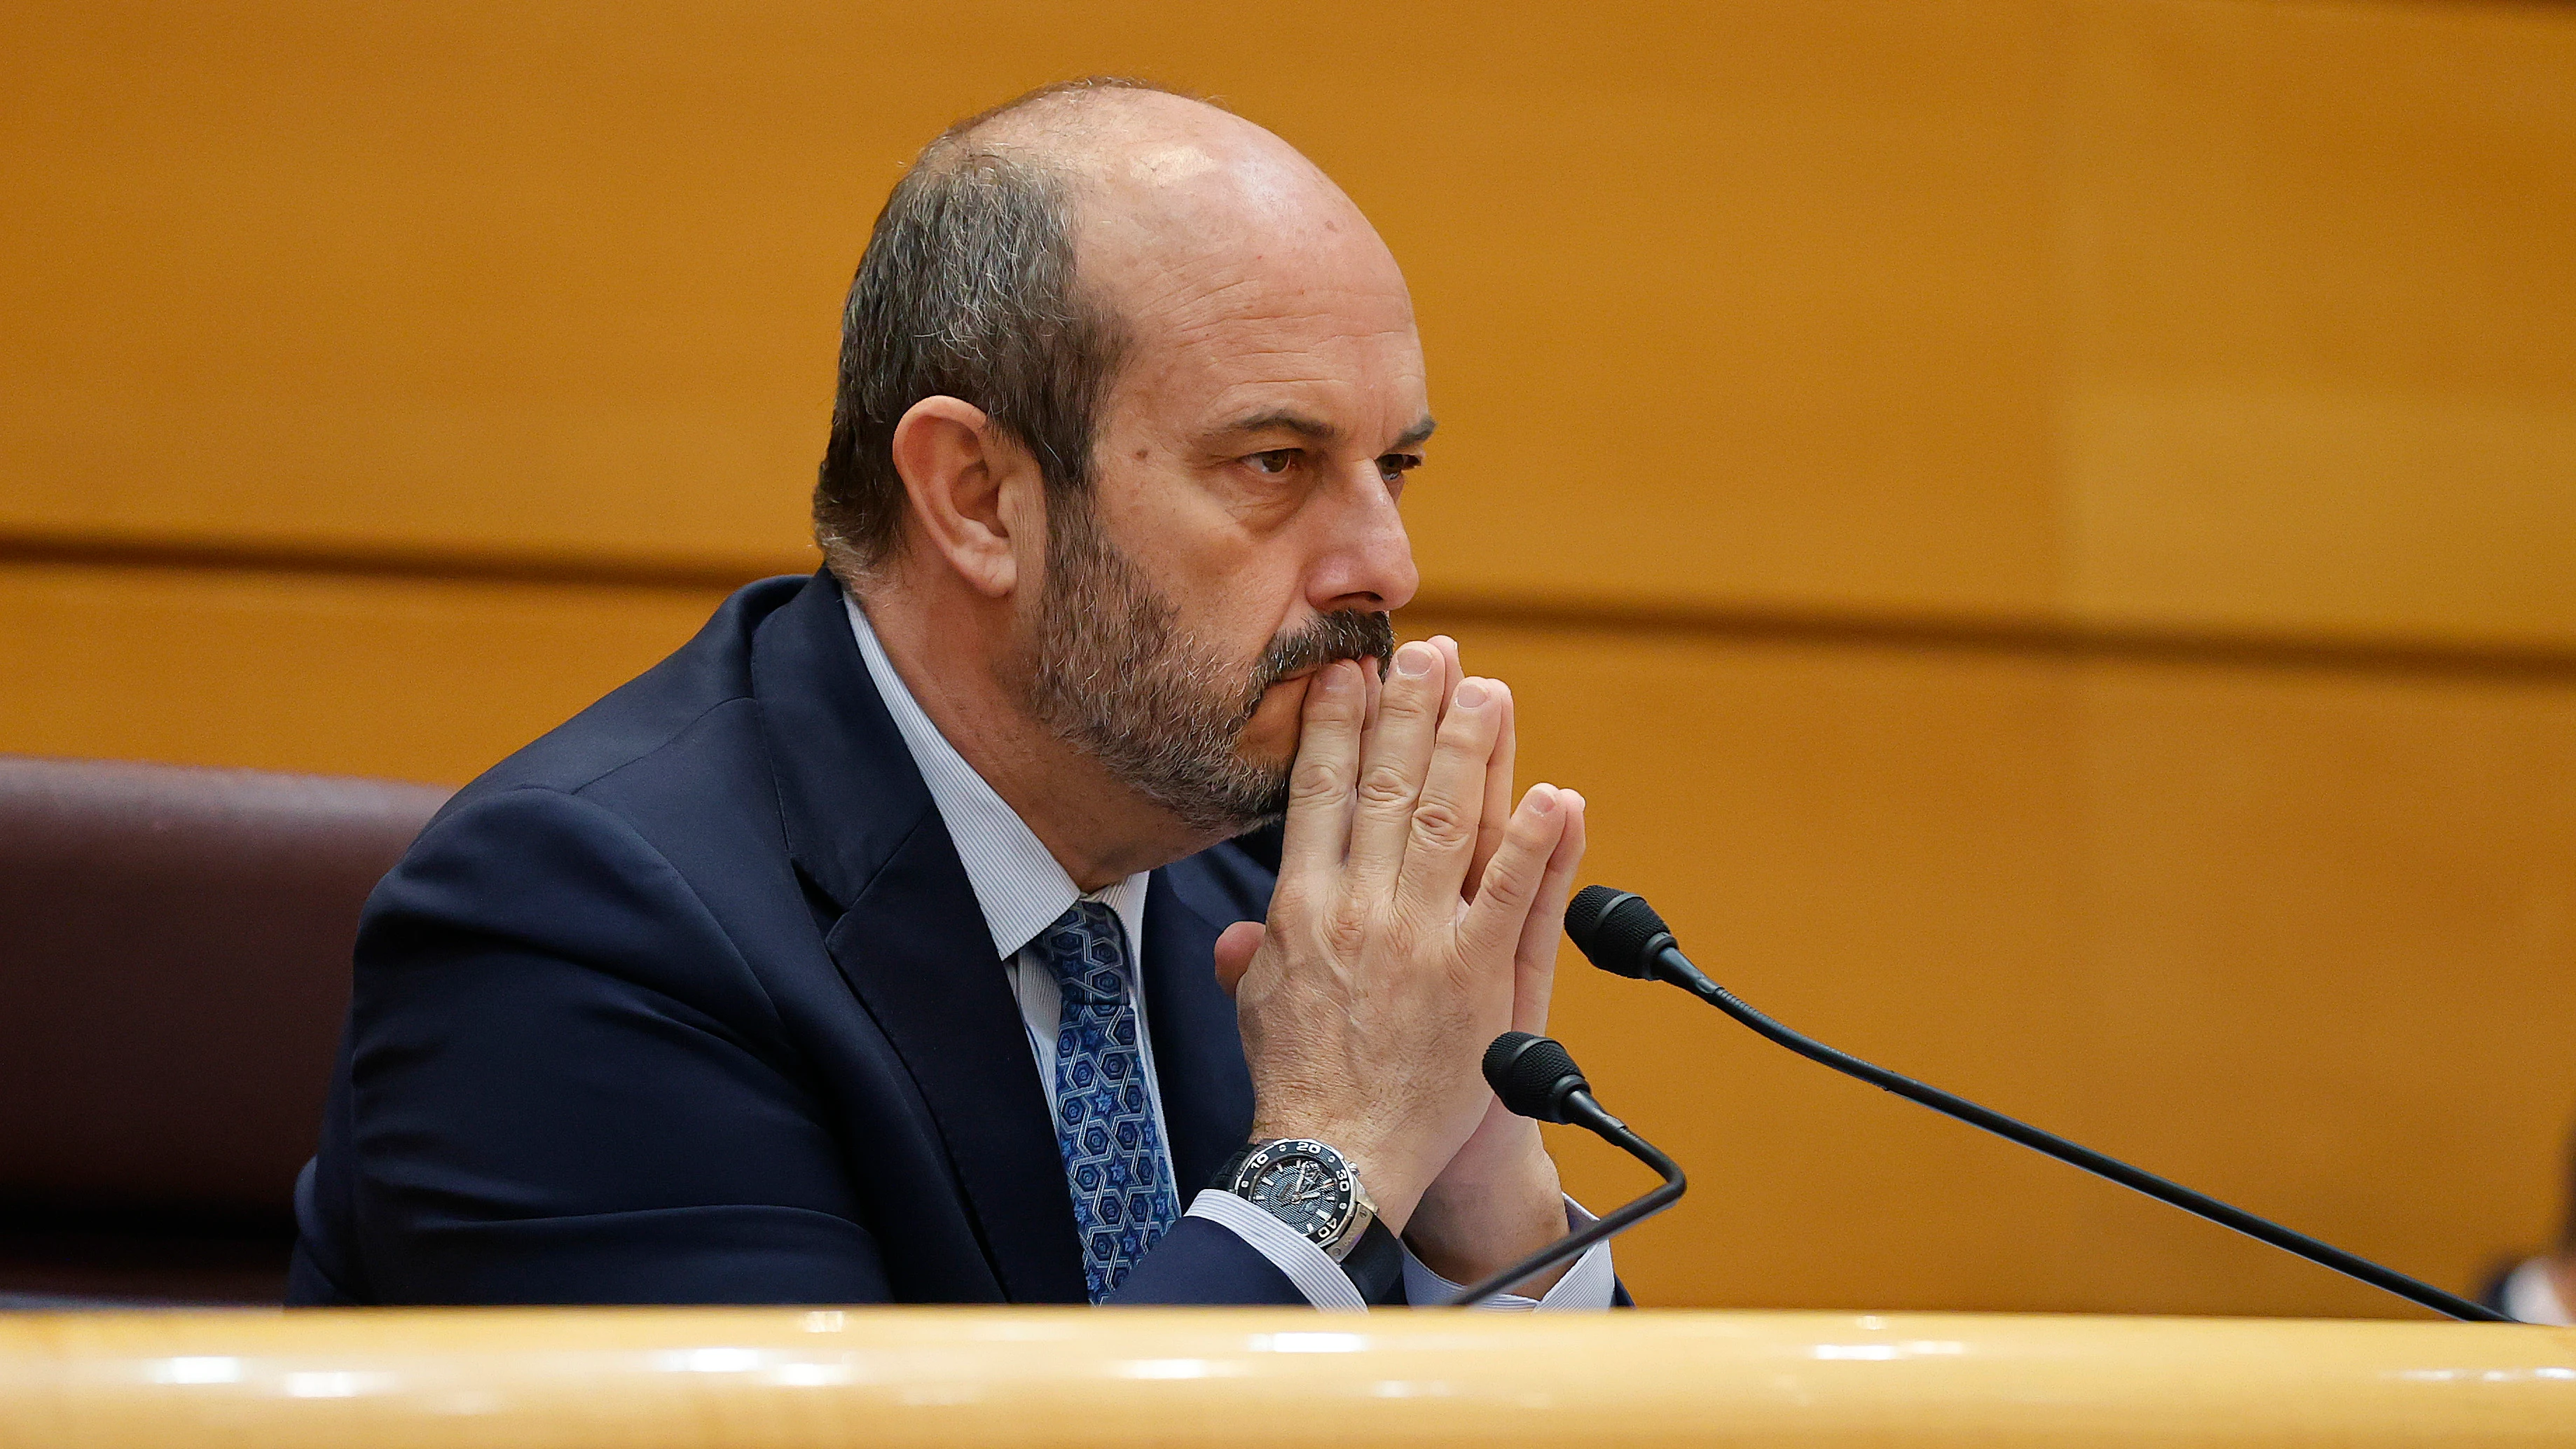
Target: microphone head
[1617,931]
[1533,1075]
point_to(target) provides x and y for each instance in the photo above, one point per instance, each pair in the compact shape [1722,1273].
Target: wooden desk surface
[765,1379]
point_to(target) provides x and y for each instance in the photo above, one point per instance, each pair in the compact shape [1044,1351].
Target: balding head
[1033,250]
[1145,165]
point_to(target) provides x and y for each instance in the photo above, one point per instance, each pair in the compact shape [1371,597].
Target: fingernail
[1416,660]
[1542,799]
[1470,694]
[1334,679]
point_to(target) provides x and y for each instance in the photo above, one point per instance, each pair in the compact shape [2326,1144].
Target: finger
[1443,837]
[1452,673]
[1234,948]
[1535,981]
[1392,760]
[1500,913]
[1497,815]
[1498,794]
[1448,648]
[1320,782]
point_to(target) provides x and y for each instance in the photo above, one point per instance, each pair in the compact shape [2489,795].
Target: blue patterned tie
[1113,1156]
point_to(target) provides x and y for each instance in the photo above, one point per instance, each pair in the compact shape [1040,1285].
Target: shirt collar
[1017,881]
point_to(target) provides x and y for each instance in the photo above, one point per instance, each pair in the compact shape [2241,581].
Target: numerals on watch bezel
[1303,1183]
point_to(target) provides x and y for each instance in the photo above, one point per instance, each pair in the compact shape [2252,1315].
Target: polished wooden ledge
[766,1379]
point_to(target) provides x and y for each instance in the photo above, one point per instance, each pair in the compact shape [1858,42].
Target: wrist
[1394,1192]
[1308,1186]
[1493,1210]
[1503,1151]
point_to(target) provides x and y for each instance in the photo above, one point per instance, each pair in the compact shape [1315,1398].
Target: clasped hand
[1416,918]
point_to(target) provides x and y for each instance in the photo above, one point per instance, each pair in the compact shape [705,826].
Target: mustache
[1343,634]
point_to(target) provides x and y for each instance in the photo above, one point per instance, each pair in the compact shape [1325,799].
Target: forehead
[1206,358]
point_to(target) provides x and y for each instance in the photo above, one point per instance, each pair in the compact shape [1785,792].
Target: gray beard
[1114,674]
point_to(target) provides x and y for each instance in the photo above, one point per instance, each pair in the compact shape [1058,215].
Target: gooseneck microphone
[1536,1077]
[1618,932]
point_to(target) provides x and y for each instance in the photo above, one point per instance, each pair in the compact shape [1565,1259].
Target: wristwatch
[1306,1185]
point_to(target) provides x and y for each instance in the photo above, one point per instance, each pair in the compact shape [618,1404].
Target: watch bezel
[1353,1213]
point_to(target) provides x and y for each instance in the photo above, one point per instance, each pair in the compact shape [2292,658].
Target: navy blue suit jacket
[690,1002]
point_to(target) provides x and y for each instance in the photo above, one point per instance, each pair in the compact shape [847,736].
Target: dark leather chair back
[174,965]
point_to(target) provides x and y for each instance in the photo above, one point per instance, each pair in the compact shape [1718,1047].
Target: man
[877,946]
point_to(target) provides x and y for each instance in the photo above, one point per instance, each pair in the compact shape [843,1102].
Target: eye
[1394,466]
[1273,464]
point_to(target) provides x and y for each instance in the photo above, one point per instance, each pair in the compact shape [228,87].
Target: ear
[972,491]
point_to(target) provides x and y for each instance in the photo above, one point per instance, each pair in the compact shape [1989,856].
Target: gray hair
[967,290]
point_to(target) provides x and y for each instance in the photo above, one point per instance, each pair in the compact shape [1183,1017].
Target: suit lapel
[1198,1051]
[911,941]
[915,949]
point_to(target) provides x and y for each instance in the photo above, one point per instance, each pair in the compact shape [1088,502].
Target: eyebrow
[1317,431]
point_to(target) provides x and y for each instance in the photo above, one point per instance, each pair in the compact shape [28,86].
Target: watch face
[1303,1191]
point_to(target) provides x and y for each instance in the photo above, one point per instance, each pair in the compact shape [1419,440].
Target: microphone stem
[1583,1111]
[1678,969]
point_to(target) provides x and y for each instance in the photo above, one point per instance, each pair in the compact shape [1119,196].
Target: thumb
[1234,953]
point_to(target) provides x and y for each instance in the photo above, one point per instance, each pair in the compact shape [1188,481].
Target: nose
[1365,560]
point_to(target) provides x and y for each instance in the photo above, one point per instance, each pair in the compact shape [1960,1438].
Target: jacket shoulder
[650,711]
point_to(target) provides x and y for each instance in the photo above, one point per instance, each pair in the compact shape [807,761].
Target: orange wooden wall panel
[2225,314]
[524,280]
[1868,843]
[2332,918]
[2304,938]
[414,679]
[2320,279]
[1750,305]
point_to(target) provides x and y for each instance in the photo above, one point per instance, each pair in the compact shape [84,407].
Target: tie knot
[1087,949]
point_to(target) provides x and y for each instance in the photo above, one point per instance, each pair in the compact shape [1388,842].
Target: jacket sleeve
[1199,1262]
[563,1085]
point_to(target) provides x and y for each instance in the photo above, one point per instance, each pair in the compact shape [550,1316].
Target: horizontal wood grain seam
[2029,635]
[1930,630]
[398,561]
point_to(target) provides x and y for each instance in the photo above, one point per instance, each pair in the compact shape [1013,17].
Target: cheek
[1272,732]
[1248,611]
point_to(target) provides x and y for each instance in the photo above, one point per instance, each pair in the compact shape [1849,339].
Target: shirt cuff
[1587,1287]
[1309,1269]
